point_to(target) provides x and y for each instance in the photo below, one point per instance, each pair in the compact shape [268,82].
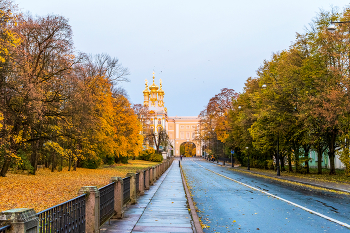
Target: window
[187,127]
[182,135]
[193,126]
[193,135]
[159,122]
[182,127]
[187,135]
[170,127]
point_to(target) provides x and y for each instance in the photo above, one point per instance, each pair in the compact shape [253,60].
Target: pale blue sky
[196,47]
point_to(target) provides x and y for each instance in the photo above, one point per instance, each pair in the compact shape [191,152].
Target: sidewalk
[320,184]
[163,208]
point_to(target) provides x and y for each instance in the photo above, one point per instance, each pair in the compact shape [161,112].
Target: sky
[196,47]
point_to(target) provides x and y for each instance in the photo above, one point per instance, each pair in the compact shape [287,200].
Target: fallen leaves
[48,188]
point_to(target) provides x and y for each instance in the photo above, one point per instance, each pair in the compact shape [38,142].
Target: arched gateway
[183,129]
[180,129]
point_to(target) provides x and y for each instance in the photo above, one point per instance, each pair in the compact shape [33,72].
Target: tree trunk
[5,166]
[331,163]
[75,165]
[290,163]
[69,162]
[61,168]
[331,152]
[306,154]
[282,163]
[319,157]
[34,157]
[53,162]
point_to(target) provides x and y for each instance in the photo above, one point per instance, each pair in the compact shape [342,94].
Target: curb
[195,218]
[296,181]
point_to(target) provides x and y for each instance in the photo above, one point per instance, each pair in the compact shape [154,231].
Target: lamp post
[248,168]
[278,148]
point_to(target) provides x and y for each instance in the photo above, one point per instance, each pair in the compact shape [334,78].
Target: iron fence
[106,202]
[126,192]
[4,229]
[137,182]
[68,216]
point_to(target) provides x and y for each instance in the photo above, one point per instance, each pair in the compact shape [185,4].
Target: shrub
[121,159]
[150,155]
[91,163]
[156,157]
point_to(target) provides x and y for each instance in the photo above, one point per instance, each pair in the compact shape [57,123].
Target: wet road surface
[227,206]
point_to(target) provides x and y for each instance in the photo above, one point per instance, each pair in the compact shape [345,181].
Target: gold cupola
[154,95]
[146,93]
[160,91]
[160,95]
[153,87]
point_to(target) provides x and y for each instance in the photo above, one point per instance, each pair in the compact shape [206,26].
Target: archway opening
[188,149]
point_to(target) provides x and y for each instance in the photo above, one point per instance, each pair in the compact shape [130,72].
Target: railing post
[157,171]
[92,208]
[141,182]
[118,197]
[154,174]
[151,176]
[22,220]
[132,187]
[147,179]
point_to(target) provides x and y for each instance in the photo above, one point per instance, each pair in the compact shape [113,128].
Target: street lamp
[248,168]
[331,27]
[278,147]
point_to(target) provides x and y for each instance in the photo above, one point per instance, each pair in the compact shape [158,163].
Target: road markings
[279,198]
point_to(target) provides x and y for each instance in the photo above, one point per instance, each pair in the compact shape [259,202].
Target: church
[180,129]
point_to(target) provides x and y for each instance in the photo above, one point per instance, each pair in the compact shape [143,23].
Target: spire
[160,91]
[153,87]
[146,87]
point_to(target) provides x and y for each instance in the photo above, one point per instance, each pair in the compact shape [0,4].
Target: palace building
[180,129]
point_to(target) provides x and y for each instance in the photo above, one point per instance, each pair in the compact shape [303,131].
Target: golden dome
[146,91]
[153,87]
[160,91]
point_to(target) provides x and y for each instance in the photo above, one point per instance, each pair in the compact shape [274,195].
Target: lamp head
[331,27]
[263,86]
[239,107]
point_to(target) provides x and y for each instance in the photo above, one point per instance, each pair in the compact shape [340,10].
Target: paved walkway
[163,208]
[321,184]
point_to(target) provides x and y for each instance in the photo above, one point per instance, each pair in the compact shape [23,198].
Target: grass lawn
[340,176]
[47,188]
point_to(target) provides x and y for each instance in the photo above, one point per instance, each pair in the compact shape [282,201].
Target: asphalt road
[227,206]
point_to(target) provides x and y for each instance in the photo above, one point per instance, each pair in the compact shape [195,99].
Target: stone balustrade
[26,220]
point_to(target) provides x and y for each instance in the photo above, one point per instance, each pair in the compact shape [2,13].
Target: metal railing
[137,177]
[68,216]
[106,202]
[126,192]
[4,229]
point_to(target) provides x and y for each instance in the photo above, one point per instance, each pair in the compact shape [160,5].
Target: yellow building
[183,129]
[179,129]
